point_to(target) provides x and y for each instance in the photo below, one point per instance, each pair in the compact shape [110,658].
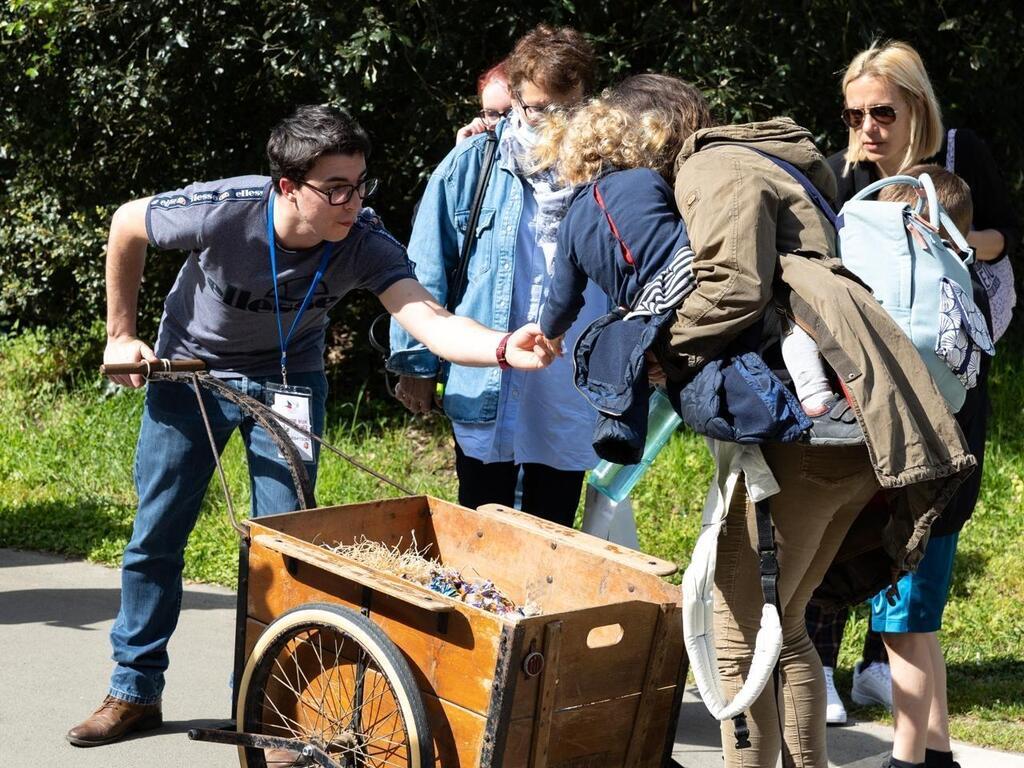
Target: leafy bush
[39,363]
[102,101]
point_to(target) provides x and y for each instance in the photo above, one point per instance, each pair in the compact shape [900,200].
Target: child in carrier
[799,350]
[624,232]
[951,191]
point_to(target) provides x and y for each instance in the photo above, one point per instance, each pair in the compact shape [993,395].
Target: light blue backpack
[921,281]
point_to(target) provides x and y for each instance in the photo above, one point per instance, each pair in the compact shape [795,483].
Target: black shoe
[837,426]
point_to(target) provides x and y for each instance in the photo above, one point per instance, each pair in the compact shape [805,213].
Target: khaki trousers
[823,489]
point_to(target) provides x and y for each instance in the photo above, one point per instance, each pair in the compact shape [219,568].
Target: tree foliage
[101,102]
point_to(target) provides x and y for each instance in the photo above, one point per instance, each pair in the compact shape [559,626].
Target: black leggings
[548,493]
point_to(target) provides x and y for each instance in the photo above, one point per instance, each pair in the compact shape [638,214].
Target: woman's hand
[526,349]
[470,130]
[416,394]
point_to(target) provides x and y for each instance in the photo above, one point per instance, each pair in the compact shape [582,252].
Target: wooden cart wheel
[329,676]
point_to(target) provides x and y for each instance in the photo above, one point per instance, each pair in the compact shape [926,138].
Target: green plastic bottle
[616,481]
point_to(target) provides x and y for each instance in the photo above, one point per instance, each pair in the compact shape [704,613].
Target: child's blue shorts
[922,593]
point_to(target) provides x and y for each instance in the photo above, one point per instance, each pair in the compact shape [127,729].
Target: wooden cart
[371,669]
[343,666]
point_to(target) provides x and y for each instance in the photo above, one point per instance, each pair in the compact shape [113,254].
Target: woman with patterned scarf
[506,424]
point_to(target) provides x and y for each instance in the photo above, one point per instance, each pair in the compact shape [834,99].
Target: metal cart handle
[339,565]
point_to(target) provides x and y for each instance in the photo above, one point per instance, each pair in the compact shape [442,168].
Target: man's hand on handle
[128,350]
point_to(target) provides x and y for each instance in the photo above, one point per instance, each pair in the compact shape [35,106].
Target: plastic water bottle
[617,480]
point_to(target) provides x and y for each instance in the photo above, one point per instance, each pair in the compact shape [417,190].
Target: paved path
[54,619]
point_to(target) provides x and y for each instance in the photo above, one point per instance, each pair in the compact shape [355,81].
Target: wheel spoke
[323,685]
[296,732]
[301,679]
[299,698]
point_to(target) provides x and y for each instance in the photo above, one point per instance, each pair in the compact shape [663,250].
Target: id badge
[293,404]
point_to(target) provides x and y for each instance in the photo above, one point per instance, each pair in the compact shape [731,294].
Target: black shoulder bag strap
[456,283]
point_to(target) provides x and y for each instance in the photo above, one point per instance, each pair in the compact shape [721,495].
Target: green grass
[66,449]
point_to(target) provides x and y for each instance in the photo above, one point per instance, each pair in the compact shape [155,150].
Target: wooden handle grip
[146,368]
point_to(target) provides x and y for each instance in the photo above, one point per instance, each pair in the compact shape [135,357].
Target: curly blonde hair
[640,123]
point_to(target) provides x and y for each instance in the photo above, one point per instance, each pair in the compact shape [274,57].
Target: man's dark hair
[309,133]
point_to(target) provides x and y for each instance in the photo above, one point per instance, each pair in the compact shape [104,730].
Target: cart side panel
[588,674]
[394,522]
[458,733]
[588,737]
[537,562]
[637,662]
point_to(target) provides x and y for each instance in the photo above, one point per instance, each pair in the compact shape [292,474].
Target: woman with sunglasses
[895,122]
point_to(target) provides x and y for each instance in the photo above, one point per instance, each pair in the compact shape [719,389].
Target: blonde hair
[900,65]
[640,123]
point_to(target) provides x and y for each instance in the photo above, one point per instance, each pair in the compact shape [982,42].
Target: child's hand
[553,346]
[655,373]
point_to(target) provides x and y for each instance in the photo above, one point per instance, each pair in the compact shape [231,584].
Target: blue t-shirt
[221,308]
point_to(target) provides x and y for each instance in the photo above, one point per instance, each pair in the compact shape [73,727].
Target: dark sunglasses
[883,114]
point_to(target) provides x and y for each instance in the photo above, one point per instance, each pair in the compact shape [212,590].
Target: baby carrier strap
[951,150]
[457,279]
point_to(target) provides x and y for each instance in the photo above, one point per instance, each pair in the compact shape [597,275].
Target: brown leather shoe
[114,719]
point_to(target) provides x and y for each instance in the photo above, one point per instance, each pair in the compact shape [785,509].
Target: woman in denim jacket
[505,423]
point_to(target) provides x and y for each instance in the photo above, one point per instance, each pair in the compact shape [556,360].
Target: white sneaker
[835,712]
[872,685]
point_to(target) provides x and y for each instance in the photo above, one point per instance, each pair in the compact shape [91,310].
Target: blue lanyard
[277,302]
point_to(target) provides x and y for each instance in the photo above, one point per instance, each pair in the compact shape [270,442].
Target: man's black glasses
[883,114]
[343,193]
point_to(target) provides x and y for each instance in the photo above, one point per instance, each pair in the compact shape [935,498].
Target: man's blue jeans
[173,467]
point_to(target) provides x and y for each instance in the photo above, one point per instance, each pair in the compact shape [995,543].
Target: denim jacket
[471,394]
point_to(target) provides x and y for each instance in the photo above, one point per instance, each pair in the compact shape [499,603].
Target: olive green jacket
[761,244]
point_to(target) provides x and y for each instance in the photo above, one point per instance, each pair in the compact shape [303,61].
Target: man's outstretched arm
[460,339]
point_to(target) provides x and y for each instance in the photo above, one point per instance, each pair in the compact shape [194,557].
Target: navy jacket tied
[624,232]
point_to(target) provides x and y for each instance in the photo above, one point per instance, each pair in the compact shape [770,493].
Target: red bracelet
[499,353]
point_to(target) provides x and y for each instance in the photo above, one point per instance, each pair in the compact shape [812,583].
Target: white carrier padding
[731,460]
